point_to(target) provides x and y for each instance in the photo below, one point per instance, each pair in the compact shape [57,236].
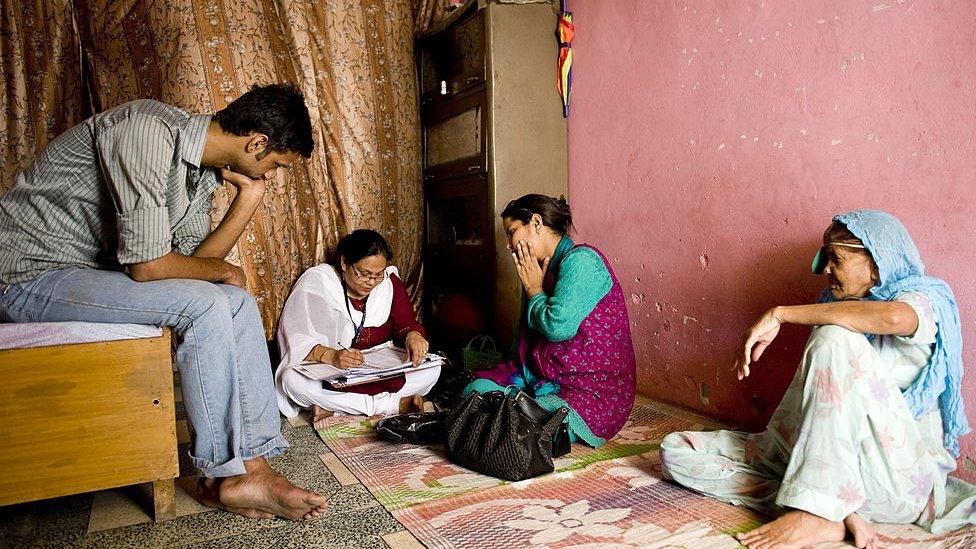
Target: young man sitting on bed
[111,223]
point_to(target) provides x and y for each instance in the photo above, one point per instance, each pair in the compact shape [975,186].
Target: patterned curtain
[353,59]
[428,13]
[42,92]
[432,15]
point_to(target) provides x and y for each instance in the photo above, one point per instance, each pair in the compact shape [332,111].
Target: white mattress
[42,334]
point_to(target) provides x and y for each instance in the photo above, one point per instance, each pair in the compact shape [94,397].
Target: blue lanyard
[362,323]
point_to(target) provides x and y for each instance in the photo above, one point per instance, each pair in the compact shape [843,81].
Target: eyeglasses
[366,277]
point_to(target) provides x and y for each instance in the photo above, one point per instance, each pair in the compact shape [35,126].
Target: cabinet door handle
[474,168]
[472,80]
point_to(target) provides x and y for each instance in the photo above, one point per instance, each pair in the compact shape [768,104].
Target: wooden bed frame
[88,416]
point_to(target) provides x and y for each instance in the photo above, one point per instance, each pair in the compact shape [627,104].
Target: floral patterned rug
[598,498]
[402,475]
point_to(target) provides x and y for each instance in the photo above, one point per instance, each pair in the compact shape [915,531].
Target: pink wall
[710,142]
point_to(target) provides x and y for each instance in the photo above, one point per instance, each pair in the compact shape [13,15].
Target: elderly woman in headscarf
[867,430]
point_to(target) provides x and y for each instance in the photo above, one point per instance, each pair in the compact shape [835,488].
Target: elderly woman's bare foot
[319,414]
[793,530]
[863,532]
[264,491]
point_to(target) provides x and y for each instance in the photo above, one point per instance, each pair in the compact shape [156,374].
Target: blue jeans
[225,372]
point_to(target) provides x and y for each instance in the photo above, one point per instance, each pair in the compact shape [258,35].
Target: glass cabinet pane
[454,138]
[455,57]
[459,220]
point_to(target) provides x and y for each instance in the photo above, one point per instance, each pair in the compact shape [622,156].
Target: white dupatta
[315,314]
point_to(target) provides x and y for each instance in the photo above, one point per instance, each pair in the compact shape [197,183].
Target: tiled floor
[116,518]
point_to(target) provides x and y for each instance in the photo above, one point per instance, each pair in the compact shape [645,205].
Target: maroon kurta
[402,321]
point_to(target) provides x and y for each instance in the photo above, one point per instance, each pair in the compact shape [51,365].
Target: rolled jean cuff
[235,466]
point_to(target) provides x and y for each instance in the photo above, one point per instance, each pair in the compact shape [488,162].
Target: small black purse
[415,428]
[508,436]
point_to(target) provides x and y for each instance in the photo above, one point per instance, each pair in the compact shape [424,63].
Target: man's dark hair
[361,243]
[276,110]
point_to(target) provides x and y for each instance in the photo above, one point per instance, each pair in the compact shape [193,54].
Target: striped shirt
[123,187]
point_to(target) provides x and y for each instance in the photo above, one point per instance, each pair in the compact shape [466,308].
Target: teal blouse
[582,280]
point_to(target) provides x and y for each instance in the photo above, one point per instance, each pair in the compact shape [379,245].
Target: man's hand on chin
[243,183]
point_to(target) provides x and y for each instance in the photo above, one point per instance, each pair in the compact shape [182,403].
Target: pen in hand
[348,358]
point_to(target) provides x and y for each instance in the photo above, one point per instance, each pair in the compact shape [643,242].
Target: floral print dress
[842,440]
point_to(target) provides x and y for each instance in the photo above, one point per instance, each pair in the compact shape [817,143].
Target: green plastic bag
[480,354]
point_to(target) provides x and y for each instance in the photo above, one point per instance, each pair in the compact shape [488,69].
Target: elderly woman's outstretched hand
[756,339]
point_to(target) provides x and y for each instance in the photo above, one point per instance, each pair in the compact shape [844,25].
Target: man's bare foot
[207,494]
[863,532]
[793,530]
[319,413]
[263,490]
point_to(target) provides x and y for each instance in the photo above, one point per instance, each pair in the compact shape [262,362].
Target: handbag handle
[555,420]
[483,340]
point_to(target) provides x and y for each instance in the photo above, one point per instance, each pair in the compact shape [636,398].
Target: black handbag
[414,428]
[508,436]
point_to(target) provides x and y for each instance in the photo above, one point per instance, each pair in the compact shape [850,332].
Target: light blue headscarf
[900,269]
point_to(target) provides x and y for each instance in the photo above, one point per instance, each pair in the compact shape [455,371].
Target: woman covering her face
[337,310]
[868,428]
[573,345]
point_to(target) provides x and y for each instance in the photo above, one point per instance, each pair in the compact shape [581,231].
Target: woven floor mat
[602,498]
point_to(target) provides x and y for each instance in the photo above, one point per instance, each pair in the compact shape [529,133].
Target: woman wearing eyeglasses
[335,311]
[573,346]
[868,428]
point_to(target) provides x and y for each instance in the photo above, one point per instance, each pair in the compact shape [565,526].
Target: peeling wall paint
[711,142]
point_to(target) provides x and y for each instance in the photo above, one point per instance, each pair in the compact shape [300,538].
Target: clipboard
[384,361]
